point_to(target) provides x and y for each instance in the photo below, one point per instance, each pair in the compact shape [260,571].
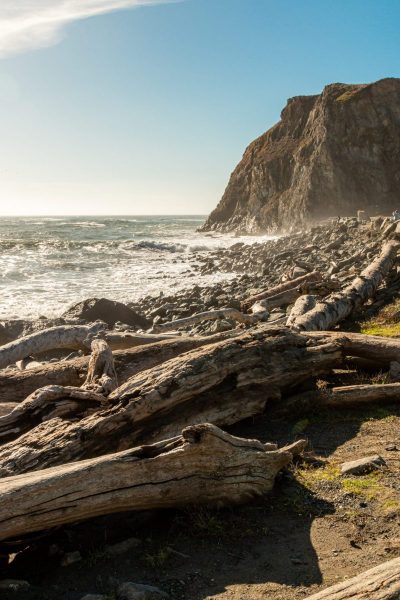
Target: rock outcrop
[330,154]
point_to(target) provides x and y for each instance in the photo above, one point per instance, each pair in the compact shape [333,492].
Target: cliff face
[330,154]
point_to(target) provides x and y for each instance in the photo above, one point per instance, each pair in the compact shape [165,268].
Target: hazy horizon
[117,107]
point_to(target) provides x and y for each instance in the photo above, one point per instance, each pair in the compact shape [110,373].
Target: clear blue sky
[148,110]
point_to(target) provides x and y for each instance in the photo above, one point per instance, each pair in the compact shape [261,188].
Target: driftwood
[16,385]
[356,394]
[120,340]
[47,403]
[66,402]
[7,407]
[279,289]
[203,465]
[101,376]
[382,350]
[338,306]
[65,336]
[210,315]
[203,379]
[380,583]
[346,395]
[302,305]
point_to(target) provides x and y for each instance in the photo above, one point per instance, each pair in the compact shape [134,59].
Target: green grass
[385,323]
[390,330]
[349,95]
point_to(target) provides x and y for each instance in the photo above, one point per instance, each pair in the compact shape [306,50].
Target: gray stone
[14,585]
[94,597]
[138,591]
[122,547]
[70,558]
[109,311]
[362,465]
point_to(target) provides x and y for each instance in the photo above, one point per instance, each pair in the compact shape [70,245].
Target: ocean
[49,263]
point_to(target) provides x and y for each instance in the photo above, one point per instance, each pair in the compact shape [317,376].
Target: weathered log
[204,465]
[209,315]
[67,402]
[383,350]
[343,396]
[16,385]
[120,340]
[101,377]
[338,306]
[7,407]
[279,289]
[276,359]
[380,583]
[65,336]
[302,305]
[48,403]
[356,394]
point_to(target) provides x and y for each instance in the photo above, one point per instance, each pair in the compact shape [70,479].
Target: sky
[142,107]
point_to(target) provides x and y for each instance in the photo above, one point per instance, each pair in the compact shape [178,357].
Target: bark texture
[302,306]
[337,307]
[205,378]
[65,336]
[210,315]
[16,385]
[281,288]
[380,583]
[203,465]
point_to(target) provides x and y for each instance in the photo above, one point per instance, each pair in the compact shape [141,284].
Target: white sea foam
[48,263]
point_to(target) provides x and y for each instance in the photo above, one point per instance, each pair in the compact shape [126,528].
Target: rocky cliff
[330,154]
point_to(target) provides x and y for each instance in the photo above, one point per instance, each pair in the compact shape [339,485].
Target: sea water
[49,263]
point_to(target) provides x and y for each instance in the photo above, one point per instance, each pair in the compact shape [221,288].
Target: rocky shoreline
[338,249]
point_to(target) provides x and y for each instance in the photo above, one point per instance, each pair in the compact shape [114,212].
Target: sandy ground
[316,529]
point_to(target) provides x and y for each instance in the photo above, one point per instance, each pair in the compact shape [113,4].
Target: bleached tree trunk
[67,402]
[382,350]
[362,394]
[302,305]
[293,284]
[16,385]
[204,465]
[210,315]
[65,336]
[337,307]
[155,399]
[347,395]
[380,583]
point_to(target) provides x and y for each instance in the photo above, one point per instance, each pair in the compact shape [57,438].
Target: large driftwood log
[343,396]
[210,315]
[302,305]
[204,465]
[279,289]
[156,398]
[356,394]
[48,403]
[66,402]
[380,583]
[337,307]
[16,385]
[382,350]
[65,336]
[120,340]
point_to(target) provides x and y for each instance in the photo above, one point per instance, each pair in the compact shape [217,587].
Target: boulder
[362,465]
[138,591]
[109,311]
